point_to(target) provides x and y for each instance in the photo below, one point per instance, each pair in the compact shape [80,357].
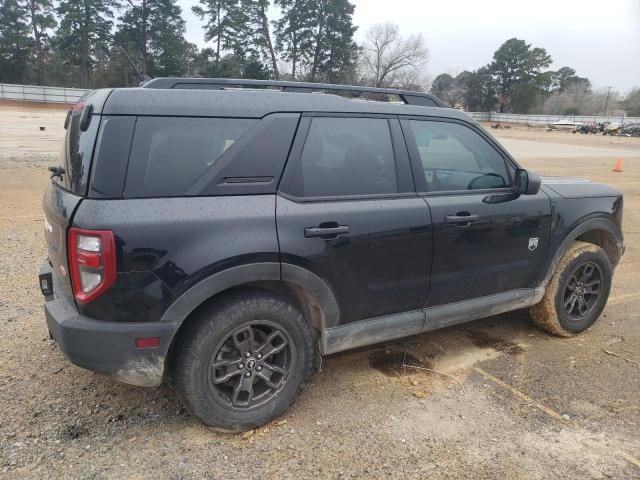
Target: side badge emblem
[533,243]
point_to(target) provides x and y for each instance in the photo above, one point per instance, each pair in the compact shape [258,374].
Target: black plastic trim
[371,331]
[216,283]
[390,327]
[584,227]
[318,288]
[109,347]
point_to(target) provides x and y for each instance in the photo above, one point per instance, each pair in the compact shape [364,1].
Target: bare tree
[388,59]
[576,100]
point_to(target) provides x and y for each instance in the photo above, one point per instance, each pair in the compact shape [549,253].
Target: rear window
[76,154]
[346,156]
[170,154]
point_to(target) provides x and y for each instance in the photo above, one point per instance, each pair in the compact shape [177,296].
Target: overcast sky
[599,39]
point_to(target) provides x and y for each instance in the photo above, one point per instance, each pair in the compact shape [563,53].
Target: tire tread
[544,314]
[206,326]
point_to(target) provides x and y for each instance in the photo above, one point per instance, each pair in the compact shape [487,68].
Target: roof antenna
[143,78]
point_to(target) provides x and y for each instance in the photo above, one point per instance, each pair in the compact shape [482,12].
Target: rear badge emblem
[533,243]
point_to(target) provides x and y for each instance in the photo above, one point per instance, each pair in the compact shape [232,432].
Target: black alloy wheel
[582,291]
[242,360]
[251,365]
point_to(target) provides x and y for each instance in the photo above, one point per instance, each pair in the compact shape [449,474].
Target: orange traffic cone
[618,165]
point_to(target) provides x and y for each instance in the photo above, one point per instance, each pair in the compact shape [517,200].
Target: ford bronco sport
[226,237]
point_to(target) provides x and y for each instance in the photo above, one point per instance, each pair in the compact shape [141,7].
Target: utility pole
[606,103]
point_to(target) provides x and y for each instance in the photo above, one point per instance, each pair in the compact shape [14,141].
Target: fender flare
[184,305]
[317,287]
[598,223]
[216,283]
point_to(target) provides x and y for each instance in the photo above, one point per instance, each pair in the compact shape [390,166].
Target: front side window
[454,157]
[346,156]
[170,154]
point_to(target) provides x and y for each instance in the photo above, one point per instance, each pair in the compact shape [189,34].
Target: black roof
[247,103]
[409,97]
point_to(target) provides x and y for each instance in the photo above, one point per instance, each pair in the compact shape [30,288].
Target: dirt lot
[509,401]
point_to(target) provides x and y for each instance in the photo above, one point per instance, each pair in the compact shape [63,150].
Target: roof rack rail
[407,96]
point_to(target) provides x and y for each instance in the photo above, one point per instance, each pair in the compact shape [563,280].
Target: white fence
[33,93]
[543,120]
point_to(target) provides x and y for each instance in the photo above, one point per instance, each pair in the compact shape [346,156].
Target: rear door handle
[326,232]
[461,220]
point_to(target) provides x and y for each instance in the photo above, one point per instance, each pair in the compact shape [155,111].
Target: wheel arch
[598,231]
[296,284]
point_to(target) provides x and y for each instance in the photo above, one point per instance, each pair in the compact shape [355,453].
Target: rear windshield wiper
[56,172]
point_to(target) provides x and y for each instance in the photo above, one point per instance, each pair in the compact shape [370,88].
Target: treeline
[85,43]
[518,80]
[82,43]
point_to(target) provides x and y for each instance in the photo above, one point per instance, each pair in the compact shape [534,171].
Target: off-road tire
[197,350]
[550,313]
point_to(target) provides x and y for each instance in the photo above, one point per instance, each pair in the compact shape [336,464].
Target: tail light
[92,262]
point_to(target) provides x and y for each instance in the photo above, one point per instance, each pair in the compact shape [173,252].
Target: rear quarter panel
[166,245]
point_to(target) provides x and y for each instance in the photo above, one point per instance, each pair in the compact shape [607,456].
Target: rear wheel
[577,292]
[243,361]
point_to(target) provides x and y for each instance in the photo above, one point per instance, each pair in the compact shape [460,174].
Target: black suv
[227,237]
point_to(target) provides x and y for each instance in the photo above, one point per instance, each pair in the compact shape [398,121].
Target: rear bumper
[109,347]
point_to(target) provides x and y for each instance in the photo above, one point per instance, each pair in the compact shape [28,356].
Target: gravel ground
[495,398]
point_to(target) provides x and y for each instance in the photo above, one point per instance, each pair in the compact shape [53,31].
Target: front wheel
[577,292]
[242,362]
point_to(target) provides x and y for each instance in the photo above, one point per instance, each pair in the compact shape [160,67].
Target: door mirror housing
[526,182]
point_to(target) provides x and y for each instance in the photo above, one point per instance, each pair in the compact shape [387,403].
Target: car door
[487,239]
[348,212]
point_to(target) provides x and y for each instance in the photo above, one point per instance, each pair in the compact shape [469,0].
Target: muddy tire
[577,292]
[241,363]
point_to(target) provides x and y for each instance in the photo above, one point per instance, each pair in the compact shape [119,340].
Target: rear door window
[346,156]
[170,154]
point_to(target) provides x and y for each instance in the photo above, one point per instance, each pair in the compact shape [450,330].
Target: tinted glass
[455,157]
[170,154]
[76,154]
[346,156]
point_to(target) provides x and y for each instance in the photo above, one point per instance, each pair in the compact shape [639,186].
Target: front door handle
[461,220]
[326,232]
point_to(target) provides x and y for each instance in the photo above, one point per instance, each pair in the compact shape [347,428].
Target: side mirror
[526,182]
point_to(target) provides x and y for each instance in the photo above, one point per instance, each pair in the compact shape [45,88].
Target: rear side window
[455,157]
[170,154]
[346,156]
[76,154]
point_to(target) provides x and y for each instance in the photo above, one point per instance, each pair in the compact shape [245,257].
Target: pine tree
[333,48]
[294,31]
[316,36]
[15,42]
[337,62]
[41,19]
[254,26]
[153,32]
[517,70]
[223,24]
[84,34]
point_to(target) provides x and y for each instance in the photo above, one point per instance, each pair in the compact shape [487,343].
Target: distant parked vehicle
[588,127]
[563,124]
[630,130]
[611,128]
